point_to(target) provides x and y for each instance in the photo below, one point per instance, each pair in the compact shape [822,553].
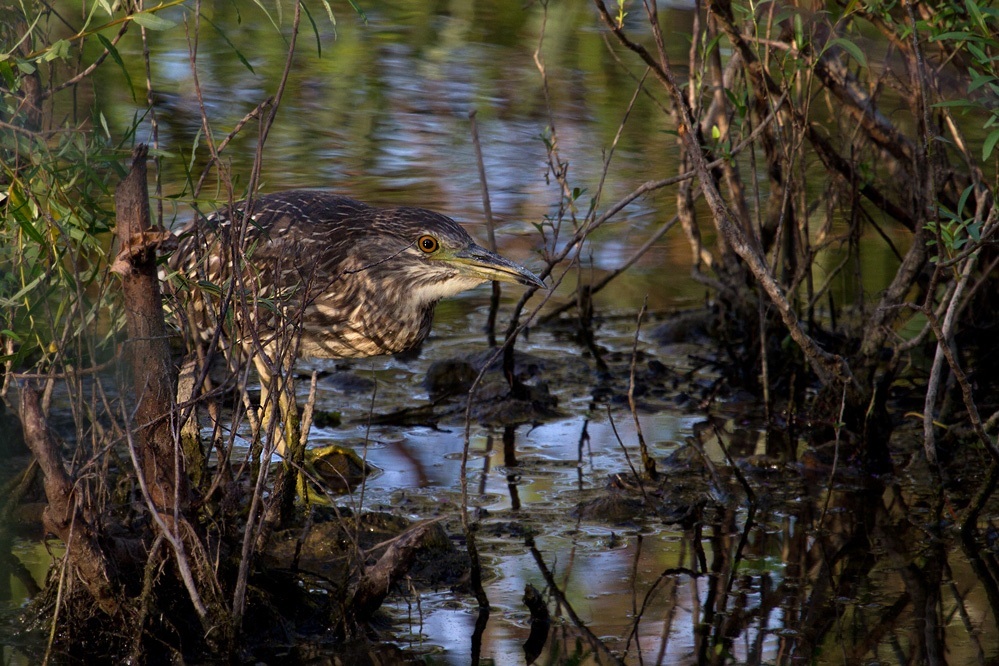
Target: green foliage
[972,32]
[58,172]
[56,215]
[955,228]
[621,14]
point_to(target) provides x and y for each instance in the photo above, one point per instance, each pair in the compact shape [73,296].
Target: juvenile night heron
[319,275]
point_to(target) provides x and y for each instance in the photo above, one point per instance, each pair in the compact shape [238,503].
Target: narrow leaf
[315,31]
[990,144]
[113,52]
[246,63]
[850,48]
[151,21]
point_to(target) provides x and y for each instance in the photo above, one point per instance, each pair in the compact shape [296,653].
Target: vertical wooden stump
[147,349]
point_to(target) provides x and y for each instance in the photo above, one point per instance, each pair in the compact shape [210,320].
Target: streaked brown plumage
[355,280]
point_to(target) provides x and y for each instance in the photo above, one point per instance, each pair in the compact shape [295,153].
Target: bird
[309,273]
[353,279]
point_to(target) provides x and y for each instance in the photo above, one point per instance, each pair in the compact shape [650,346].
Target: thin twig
[648,462]
[487,209]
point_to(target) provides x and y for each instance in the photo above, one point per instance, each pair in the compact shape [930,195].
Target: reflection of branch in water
[486,457]
[480,628]
[556,592]
[986,567]
[639,613]
[584,443]
[540,624]
[724,619]
[509,461]
[399,447]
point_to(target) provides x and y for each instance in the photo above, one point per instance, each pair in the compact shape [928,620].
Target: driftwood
[378,579]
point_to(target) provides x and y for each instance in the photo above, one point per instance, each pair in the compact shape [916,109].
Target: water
[383,115]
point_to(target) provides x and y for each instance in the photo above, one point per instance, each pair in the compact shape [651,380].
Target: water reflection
[811,559]
[846,570]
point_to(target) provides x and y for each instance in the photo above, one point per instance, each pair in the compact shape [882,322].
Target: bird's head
[435,258]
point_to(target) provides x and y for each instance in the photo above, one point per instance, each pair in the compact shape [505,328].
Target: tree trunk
[148,352]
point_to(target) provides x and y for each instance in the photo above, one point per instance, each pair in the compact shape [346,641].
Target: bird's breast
[333,328]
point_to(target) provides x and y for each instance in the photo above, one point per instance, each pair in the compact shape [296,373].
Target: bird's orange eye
[428,244]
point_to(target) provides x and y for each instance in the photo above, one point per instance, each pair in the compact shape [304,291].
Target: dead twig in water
[647,461]
[627,457]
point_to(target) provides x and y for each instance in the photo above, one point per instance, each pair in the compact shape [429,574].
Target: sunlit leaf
[151,21]
[263,8]
[329,12]
[58,51]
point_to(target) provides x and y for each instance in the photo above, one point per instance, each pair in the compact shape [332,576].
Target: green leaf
[315,30]
[960,36]
[246,63]
[27,289]
[979,80]
[210,287]
[7,72]
[59,50]
[963,201]
[990,144]
[104,125]
[973,10]
[30,229]
[151,21]
[850,48]
[977,51]
[113,52]
[194,149]
[975,231]
[952,103]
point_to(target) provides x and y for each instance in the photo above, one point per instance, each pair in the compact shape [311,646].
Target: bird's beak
[480,262]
